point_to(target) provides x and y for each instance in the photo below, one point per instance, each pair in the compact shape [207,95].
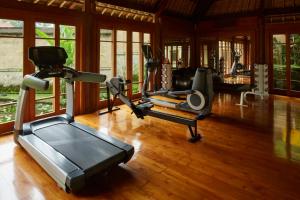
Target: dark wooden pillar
[29,41]
[88,91]
[261,51]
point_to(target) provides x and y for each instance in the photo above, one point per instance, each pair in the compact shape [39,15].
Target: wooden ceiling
[223,7]
[147,10]
[68,4]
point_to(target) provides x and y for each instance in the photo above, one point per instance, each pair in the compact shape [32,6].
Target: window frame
[29,18]
[129,60]
[7,124]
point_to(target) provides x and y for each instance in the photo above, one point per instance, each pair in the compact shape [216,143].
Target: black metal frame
[191,123]
[110,103]
[144,109]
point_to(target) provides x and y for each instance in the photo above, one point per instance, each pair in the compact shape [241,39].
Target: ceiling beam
[50,2]
[24,6]
[127,4]
[160,8]
[262,7]
[282,11]
[261,11]
[201,9]
[177,15]
[231,15]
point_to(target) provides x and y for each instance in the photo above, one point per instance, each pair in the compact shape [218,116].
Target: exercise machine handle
[89,77]
[30,81]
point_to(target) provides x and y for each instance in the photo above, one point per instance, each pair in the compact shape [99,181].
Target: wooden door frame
[271,29]
[288,91]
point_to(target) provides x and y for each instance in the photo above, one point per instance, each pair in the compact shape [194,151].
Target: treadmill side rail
[67,175]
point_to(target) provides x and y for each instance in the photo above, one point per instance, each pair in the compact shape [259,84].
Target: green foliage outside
[135,88]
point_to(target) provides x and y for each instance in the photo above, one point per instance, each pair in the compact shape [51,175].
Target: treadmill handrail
[30,81]
[89,77]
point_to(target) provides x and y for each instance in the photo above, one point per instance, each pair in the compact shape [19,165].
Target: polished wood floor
[246,153]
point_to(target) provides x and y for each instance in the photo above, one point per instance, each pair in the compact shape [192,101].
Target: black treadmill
[70,152]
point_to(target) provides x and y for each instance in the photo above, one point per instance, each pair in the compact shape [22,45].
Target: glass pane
[279,61]
[173,56]
[179,57]
[103,93]
[122,36]
[136,66]
[205,55]
[135,36]
[44,42]
[63,97]
[44,30]
[189,56]
[169,53]
[44,100]
[68,42]
[239,48]
[295,61]
[147,38]
[11,28]
[70,47]
[106,35]
[11,74]
[136,88]
[67,32]
[225,53]
[106,64]
[121,59]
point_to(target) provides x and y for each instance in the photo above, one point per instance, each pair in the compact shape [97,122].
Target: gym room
[149,99]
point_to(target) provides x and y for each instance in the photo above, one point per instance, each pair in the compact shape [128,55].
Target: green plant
[68,45]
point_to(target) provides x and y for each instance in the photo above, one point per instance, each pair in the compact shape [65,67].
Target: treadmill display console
[48,57]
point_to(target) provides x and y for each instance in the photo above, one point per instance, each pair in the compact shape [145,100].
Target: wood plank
[246,153]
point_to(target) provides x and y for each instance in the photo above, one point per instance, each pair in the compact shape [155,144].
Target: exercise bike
[198,98]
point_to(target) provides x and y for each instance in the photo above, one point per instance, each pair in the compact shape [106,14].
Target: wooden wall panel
[178,29]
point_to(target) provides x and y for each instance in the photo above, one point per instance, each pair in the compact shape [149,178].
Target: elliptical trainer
[198,98]
[236,65]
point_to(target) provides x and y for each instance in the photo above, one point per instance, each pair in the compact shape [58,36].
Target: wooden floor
[246,153]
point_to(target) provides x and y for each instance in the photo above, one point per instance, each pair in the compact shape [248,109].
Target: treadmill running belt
[79,146]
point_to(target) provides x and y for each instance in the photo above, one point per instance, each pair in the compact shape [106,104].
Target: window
[44,100]
[225,52]
[137,66]
[11,66]
[54,99]
[239,48]
[106,58]
[113,58]
[146,40]
[121,54]
[174,55]
[279,61]
[68,42]
[205,60]
[167,56]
